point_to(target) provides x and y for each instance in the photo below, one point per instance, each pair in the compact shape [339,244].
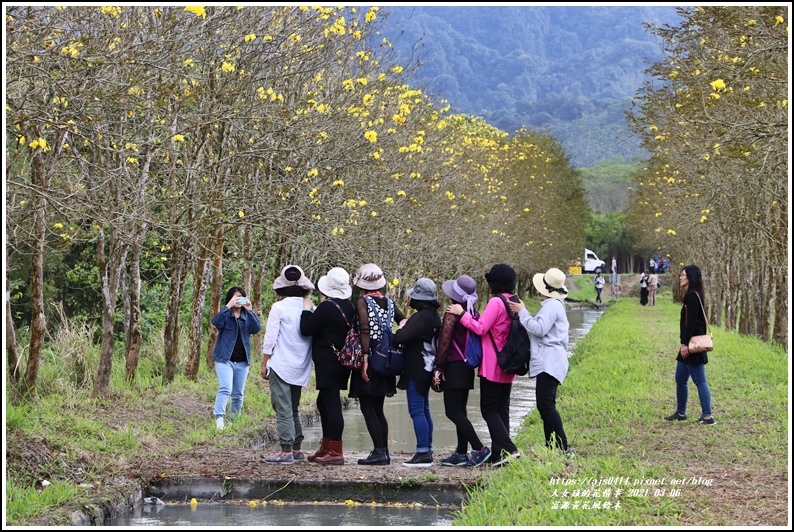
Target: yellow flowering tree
[716,184]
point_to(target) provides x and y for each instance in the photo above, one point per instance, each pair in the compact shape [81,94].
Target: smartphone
[242,301]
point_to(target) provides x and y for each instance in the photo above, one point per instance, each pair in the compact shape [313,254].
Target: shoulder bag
[704,342]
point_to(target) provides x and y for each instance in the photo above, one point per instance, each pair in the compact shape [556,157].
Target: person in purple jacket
[495,385]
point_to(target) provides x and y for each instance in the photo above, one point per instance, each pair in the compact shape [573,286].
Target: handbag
[350,355]
[702,343]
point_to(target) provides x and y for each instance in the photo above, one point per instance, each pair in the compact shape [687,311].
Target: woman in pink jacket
[495,385]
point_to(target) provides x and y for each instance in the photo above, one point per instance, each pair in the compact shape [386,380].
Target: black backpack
[387,357]
[514,356]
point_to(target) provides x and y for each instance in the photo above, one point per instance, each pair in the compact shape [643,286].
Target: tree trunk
[171,332]
[135,336]
[110,267]
[11,343]
[201,275]
[38,323]
[216,294]
[780,329]
[256,293]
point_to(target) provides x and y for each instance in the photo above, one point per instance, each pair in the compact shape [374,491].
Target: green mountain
[570,71]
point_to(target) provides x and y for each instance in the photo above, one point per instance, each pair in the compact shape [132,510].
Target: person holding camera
[235,322]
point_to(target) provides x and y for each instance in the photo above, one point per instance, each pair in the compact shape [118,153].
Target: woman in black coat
[420,332]
[328,326]
[692,323]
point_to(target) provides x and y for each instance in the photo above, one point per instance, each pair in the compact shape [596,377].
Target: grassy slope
[619,388]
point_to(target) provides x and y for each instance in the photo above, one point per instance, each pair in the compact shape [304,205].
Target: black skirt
[378,385]
[457,375]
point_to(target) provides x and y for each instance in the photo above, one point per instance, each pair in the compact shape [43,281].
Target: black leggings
[375,418]
[546,400]
[495,410]
[455,409]
[331,419]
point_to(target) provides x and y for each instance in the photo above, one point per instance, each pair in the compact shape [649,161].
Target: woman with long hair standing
[692,323]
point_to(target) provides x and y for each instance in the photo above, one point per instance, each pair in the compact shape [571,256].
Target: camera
[242,300]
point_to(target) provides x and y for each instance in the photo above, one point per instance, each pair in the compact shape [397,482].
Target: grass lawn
[633,467]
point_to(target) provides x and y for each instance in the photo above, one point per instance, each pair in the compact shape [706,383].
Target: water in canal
[356,438]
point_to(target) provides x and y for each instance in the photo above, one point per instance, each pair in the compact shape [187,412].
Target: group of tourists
[300,335]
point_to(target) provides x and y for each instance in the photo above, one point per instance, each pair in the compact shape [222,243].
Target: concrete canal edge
[405,491]
[250,478]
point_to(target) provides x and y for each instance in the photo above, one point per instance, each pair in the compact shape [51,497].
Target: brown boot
[333,456]
[325,446]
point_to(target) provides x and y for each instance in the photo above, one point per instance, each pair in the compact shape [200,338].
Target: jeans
[419,409]
[285,399]
[598,294]
[698,374]
[231,381]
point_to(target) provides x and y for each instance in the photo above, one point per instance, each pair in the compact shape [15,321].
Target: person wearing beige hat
[548,340]
[369,387]
[328,326]
[287,360]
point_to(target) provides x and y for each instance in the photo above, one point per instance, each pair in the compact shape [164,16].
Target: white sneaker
[219,423]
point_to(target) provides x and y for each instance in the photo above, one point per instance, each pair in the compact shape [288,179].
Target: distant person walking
[614,264]
[599,286]
[692,323]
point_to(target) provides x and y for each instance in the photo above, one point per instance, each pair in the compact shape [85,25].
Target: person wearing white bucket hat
[328,325]
[548,340]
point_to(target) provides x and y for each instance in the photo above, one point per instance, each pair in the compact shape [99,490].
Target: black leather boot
[376,457]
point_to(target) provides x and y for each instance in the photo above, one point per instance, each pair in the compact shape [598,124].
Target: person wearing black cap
[495,385]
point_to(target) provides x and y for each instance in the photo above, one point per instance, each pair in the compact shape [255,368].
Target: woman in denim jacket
[236,322]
